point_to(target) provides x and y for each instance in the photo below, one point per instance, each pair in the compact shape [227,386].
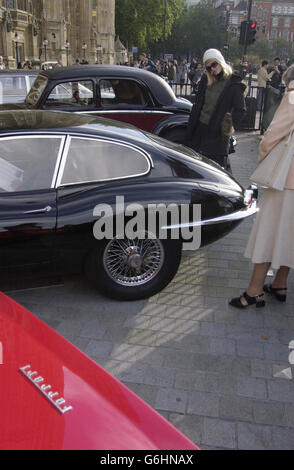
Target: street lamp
[98,50]
[84,47]
[164,27]
[16,48]
[45,45]
[67,46]
[227,20]
[135,48]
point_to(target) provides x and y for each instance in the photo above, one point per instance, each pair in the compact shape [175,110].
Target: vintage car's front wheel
[128,269]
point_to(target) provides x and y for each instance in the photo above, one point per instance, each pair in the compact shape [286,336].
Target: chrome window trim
[28,81]
[58,160]
[97,139]
[63,162]
[60,137]
[124,111]
[27,84]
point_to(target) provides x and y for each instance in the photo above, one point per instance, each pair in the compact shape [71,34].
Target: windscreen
[36,91]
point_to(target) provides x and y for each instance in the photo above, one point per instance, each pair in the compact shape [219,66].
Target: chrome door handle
[44,210]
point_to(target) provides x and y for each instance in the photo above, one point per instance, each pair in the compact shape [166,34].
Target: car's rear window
[98,160]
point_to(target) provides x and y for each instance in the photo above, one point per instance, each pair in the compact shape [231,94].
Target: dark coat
[276,79]
[231,100]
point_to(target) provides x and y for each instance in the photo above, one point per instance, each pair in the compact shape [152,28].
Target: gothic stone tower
[75,29]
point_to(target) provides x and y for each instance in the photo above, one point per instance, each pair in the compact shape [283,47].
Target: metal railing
[185,90]
[261,103]
[254,107]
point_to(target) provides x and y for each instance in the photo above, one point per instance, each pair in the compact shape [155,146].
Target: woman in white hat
[219,104]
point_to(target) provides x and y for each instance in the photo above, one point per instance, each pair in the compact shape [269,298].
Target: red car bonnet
[52,396]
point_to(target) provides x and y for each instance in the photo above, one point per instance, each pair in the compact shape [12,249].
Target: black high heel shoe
[258,300]
[275,292]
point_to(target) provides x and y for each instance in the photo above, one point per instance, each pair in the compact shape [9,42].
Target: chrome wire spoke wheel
[134,262]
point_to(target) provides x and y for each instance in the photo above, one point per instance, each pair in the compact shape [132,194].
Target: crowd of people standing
[173,71]
[267,74]
[182,71]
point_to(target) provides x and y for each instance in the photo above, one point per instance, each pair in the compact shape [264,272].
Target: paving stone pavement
[213,371]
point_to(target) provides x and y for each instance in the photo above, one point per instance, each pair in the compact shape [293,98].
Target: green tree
[198,29]
[139,22]
[262,49]
[203,26]
[235,50]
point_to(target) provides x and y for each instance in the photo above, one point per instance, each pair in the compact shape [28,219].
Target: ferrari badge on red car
[37,380]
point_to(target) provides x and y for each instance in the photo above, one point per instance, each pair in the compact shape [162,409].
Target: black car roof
[29,122]
[160,89]
[38,119]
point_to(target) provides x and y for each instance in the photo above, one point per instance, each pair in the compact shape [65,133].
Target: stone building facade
[66,30]
[282,21]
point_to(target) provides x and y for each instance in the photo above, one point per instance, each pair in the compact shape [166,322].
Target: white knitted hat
[214,54]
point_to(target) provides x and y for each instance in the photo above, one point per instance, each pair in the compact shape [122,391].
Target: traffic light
[251,33]
[247,32]
[243,32]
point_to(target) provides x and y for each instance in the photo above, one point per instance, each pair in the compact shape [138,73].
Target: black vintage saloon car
[126,94]
[61,174]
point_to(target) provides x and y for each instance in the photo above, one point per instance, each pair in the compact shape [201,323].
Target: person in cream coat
[271,242]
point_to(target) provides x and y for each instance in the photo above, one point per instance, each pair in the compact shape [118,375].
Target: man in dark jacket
[276,78]
[147,64]
[219,105]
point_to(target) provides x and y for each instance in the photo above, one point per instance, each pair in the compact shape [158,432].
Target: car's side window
[121,92]
[27,163]
[98,160]
[78,93]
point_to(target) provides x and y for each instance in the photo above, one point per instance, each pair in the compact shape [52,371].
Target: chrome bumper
[239,215]
[251,209]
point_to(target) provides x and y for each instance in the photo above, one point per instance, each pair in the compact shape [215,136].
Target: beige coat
[279,128]
[262,77]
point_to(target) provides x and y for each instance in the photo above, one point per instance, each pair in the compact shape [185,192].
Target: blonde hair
[227,72]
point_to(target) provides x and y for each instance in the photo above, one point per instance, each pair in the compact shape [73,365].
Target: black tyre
[127,269]
[177,135]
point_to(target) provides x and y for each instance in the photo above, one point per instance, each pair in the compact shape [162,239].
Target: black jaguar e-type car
[84,193]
